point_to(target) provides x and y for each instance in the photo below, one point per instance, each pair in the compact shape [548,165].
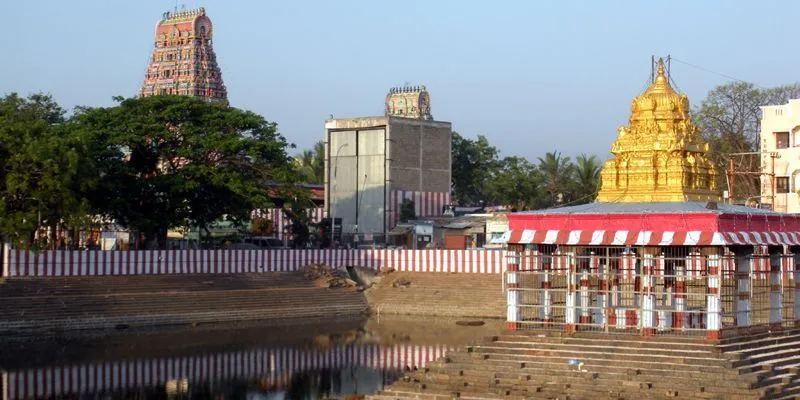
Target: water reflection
[312,369]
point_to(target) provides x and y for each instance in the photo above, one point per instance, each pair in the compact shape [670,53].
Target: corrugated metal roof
[642,208]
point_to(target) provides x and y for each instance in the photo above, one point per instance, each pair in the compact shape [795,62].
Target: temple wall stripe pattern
[650,238]
[21,263]
[282,362]
[426,204]
[282,224]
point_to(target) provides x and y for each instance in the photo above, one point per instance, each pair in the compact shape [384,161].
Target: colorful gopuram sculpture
[660,156]
[183,60]
[409,102]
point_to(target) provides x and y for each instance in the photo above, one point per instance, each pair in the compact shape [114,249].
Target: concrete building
[780,156]
[373,163]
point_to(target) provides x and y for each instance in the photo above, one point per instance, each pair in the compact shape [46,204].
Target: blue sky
[533,76]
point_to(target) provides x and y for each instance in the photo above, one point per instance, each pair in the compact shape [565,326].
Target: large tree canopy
[473,163]
[39,183]
[169,161]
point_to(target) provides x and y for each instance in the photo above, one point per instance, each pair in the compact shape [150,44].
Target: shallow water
[324,360]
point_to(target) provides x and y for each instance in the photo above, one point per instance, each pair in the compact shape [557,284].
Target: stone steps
[537,366]
[599,352]
[543,371]
[58,286]
[82,303]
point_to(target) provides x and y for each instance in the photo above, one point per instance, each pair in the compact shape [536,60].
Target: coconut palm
[587,178]
[556,172]
[311,163]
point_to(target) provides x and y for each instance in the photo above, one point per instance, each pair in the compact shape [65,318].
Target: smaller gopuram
[183,60]
[659,156]
[409,102]
[657,253]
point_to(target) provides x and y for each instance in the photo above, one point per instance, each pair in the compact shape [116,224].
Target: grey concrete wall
[393,154]
[419,155]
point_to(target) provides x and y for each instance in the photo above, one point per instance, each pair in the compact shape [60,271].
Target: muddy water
[289,361]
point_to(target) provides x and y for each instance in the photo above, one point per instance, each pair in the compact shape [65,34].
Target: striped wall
[277,363]
[21,263]
[426,204]
[281,224]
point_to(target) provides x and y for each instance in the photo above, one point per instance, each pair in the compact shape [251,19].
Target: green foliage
[515,183]
[587,179]
[170,161]
[39,182]
[310,164]
[407,212]
[479,176]
[473,164]
[557,172]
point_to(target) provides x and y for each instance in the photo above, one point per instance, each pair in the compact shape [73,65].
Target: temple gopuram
[183,60]
[409,102]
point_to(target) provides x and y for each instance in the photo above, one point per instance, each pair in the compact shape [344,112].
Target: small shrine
[659,156]
[409,102]
[658,253]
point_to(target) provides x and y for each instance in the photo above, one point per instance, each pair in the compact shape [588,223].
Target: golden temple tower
[659,156]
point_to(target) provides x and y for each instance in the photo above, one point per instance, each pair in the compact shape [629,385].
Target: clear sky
[533,76]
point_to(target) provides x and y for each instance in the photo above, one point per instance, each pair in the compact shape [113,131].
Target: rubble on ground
[401,283]
[325,276]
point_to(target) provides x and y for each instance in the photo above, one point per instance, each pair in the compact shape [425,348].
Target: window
[782,184]
[781,140]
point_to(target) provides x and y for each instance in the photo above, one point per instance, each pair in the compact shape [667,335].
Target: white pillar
[586,317]
[743,276]
[570,300]
[602,294]
[648,296]
[713,305]
[547,295]
[679,317]
[5,249]
[513,295]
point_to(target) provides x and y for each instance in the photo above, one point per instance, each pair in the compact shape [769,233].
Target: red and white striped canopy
[649,238]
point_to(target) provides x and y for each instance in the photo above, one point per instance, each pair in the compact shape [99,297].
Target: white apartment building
[780,155]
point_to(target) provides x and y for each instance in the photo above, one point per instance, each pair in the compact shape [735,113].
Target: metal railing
[668,293]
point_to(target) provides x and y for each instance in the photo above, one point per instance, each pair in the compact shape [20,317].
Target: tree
[311,163]
[729,119]
[474,162]
[170,161]
[39,181]
[556,172]
[516,184]
[587,179]
[407,211]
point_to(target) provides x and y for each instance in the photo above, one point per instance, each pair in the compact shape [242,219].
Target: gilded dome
[659,156]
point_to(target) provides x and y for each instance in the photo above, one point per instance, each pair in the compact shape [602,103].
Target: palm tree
[557,173]
[318,163]
[587,178]
[311,163]
[304,164]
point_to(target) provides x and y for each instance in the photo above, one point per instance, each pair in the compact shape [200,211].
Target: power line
[715,72]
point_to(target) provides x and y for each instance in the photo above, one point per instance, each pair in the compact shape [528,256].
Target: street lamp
[333,191]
